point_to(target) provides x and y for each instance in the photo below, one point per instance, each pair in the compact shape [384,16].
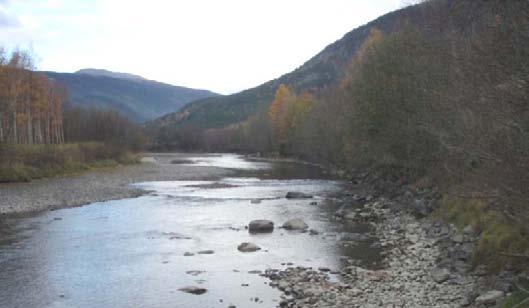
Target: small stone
[297,195]
[490,297]
[194,273]
[440,275]
[295,224]
[188,254]
[458,238]
[193,290]
[350,215]
[469,230]
[206,252]
[248,247]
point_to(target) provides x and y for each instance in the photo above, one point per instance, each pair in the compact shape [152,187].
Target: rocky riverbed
[425,264]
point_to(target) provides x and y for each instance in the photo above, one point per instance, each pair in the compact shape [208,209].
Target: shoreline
[19,199]
[426,263]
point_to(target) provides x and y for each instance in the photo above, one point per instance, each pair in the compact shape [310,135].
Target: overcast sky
[224,46]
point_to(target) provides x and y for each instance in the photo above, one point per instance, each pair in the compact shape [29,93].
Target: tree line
[30,103]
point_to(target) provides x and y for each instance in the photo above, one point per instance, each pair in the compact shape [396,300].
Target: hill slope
[322,70]
[135,97]
[103,72]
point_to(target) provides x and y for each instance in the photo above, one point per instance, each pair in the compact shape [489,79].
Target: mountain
[135,97]
[102,72]
[324,69]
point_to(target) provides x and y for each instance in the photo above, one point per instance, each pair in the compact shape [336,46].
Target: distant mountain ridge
[133,96]
[106,73]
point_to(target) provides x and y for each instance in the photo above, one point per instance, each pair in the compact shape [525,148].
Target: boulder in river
[261,226]
[297,195]
[248,247]
[193,290]
[295,224]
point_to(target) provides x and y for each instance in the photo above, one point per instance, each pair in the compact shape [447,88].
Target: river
[131,252]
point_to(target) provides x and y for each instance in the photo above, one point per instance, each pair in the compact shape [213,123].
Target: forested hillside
[435,93]
[318,73]
[134,97]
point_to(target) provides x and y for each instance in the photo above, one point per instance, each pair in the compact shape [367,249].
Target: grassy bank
[503,243]
[23,163]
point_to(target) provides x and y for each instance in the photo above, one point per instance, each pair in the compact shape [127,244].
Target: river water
[130,253]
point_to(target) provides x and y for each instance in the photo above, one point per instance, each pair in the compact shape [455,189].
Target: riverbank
[426,263]
[99,185]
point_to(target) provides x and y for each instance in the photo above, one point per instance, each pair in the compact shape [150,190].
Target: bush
[21,163]
[499,236]
[15,173]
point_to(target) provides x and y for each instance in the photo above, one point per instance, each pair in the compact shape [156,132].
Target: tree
[30,104]
[277,113]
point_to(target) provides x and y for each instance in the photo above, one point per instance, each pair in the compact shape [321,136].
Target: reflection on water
[228,161]
[131,252]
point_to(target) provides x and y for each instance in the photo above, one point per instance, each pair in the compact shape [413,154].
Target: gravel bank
[97,186]
[406,280]
[425,264]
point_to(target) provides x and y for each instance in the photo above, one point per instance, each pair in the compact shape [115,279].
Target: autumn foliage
[287,113]
[30,104]
[35,124]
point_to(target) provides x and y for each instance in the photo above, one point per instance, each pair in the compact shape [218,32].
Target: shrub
[499,236]
[21,163]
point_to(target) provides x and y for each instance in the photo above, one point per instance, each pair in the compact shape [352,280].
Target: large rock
[260,226]
[440,275]
[193,290]
[295,224]
[490,297]
[297,195]
[248,247]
